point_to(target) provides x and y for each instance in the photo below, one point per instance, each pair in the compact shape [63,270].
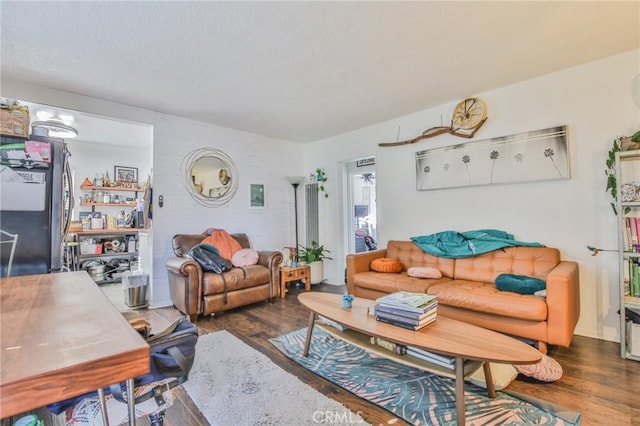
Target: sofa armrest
[359,262]
[272,260]
[185,285]
[563,302]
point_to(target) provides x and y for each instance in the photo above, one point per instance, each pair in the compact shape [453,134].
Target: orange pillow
[225,243]
[385,264]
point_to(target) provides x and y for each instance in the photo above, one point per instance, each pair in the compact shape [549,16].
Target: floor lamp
[295,181]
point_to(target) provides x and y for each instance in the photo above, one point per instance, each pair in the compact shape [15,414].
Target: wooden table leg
[283,286]
[460,405]
[488,378]
[307,280]
[307,343]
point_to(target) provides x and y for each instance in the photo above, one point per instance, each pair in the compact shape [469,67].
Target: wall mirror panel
[210,176]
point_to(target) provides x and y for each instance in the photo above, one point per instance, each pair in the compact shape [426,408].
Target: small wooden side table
[288,275]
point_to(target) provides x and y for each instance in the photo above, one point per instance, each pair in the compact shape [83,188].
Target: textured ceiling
[302,71]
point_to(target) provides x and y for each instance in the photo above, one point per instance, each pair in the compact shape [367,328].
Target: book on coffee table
[389,310]
[407,323]
[413,302]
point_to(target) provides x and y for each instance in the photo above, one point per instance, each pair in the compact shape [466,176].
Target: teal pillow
[519,283]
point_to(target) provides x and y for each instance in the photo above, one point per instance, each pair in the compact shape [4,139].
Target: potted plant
[313,256]
[625,143]
[321,178]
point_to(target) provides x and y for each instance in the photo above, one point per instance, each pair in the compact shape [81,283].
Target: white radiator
[311,208]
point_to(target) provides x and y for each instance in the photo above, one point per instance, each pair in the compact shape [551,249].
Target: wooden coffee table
[444,336]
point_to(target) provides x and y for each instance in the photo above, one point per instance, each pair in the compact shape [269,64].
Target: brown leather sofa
[195,292]
[467,292]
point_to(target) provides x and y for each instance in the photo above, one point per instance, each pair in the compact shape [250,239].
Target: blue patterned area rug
[417,396]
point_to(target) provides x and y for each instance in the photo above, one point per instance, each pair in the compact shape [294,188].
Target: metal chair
[13,240]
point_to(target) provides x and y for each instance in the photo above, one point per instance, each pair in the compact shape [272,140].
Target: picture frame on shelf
[125,174]
[257,196]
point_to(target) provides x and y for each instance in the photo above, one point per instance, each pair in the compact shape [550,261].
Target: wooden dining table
[62,337]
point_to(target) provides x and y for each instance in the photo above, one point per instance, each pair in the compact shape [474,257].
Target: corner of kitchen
[76,192]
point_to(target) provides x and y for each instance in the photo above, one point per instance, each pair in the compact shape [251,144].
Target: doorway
[361,220]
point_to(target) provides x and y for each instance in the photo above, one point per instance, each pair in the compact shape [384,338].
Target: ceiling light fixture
[57,129]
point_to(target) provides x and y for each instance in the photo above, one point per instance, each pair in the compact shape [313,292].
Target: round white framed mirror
[210,176]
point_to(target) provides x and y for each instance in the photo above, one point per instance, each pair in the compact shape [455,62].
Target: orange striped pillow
[385,264]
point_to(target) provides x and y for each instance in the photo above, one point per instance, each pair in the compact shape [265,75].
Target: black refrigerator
[35,204]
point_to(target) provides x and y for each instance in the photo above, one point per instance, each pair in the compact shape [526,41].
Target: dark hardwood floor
[596,382]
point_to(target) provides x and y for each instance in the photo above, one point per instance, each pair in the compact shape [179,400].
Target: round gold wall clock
[469,113]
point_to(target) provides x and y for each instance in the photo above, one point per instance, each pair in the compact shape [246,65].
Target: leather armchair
[195,292]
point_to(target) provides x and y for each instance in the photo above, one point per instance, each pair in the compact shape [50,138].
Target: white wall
[593,100]
[258,159]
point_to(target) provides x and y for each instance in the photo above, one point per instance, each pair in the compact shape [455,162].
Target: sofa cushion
[385,264]
[235,279]
[391,283]
[521,284]
[531,261]
[486,298]
[424,272]
[245,257]
[409,254]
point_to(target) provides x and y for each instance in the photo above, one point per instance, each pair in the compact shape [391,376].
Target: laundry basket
[135,288]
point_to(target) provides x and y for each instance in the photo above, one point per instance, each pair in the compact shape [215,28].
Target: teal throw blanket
[455,245]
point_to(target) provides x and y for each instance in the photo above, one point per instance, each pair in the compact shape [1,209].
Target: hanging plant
[623,143]
[321,178]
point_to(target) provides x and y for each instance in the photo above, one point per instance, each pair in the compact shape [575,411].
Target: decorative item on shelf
[126,175]
[622,143]
[628,192]
[286,257]
[86,183]
[468,115]
[321,178]
[14,118]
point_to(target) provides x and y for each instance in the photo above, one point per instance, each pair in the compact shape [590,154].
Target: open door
[361,204]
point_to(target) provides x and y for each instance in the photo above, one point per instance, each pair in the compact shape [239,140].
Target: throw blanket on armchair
[455,245]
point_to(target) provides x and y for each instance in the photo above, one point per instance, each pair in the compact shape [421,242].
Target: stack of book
[445,361]
[406,309]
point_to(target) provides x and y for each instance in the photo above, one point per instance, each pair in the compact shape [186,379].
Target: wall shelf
[111,188]
[108,204]
[132,231]
[627,166]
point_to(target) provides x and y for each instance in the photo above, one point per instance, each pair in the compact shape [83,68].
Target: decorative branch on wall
[524,157]
[468,115]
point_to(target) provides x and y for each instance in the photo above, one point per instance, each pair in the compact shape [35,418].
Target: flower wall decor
[525,157]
